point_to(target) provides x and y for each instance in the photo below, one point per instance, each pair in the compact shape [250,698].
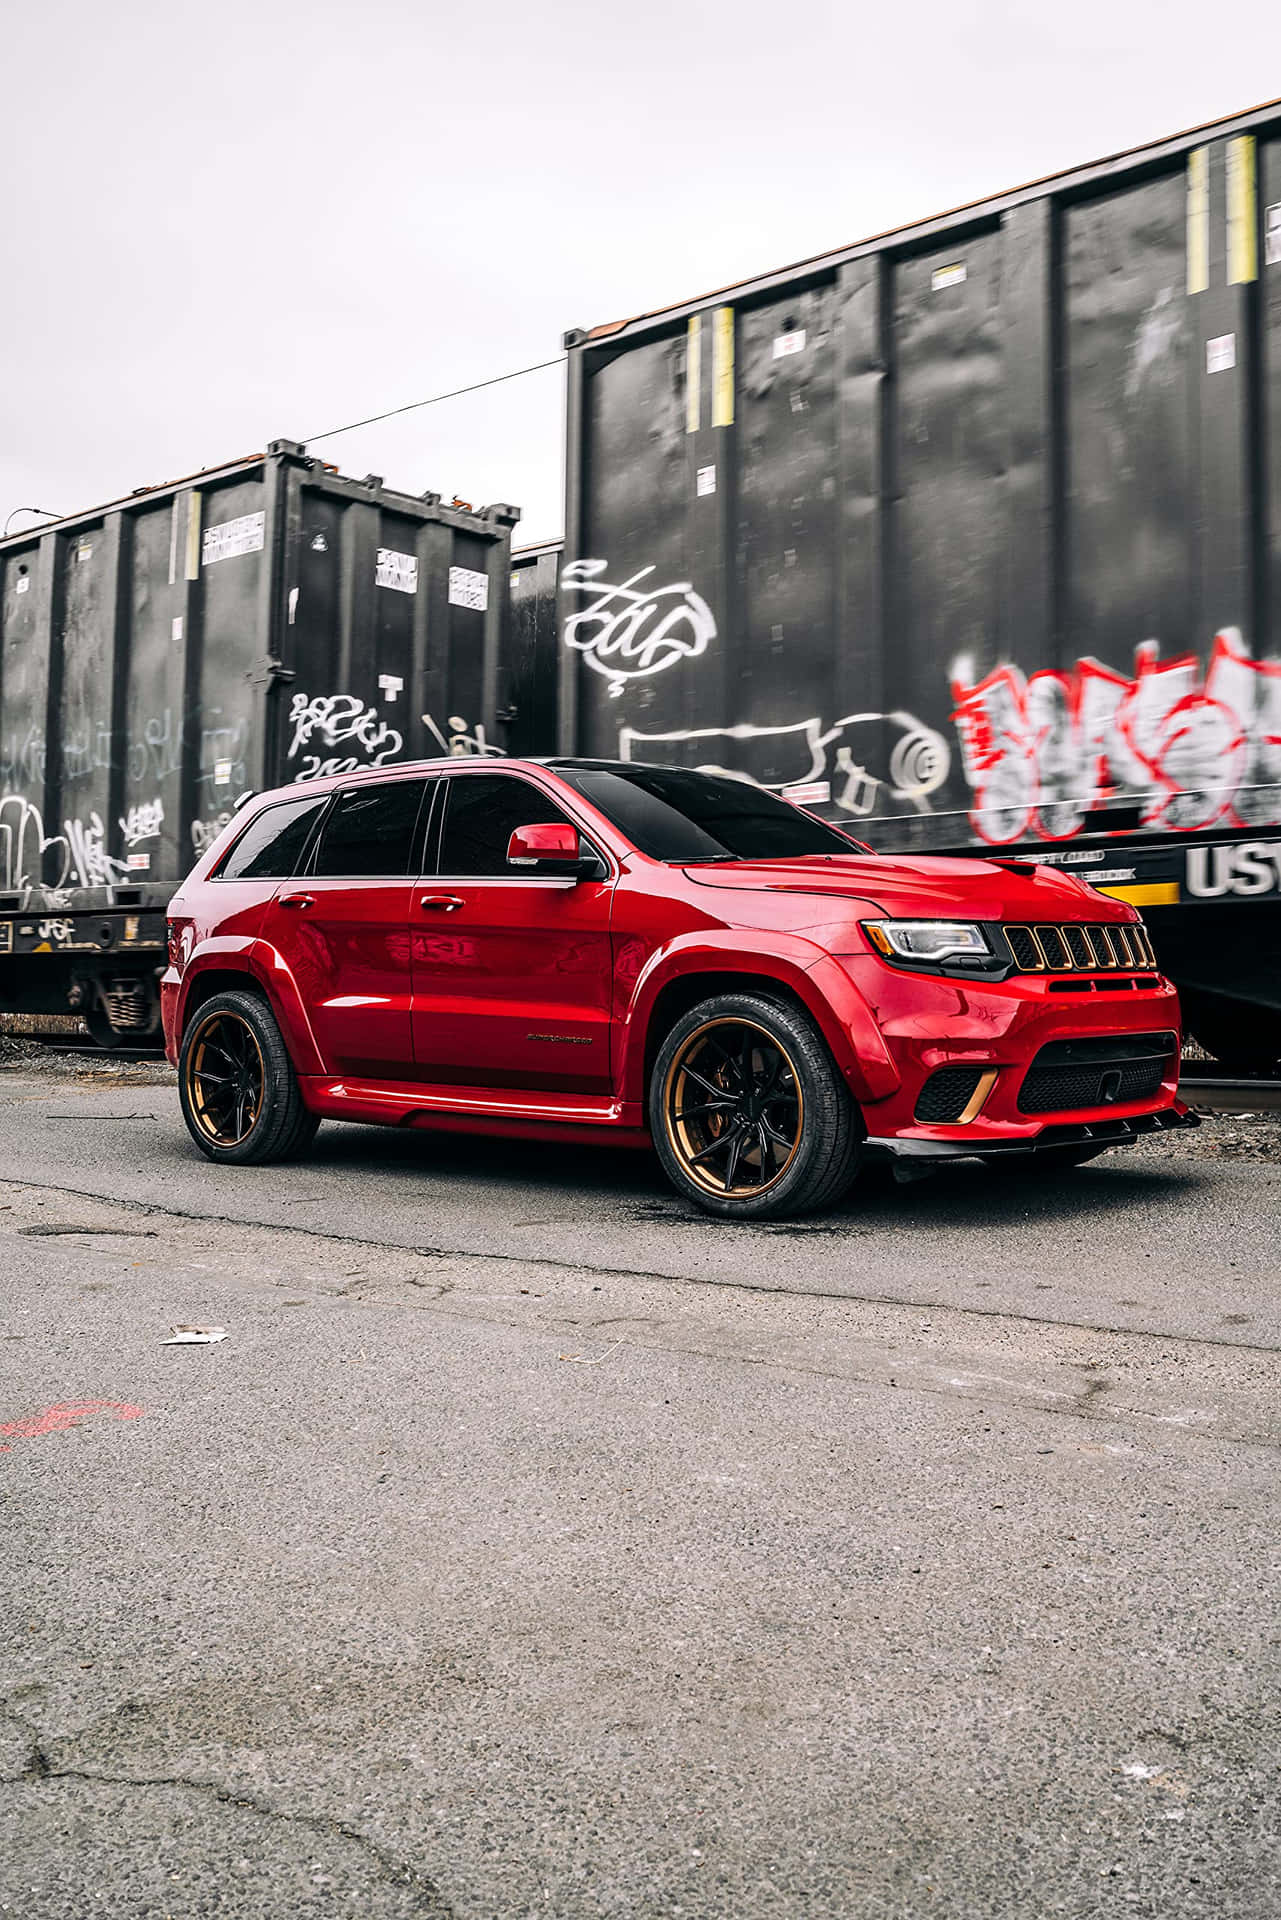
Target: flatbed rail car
[166,655]
[969,535]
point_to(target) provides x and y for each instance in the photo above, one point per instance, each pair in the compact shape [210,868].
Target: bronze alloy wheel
[733,1107]
[226,1077]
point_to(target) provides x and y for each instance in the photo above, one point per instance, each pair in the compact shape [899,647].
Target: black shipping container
[162,657]
[969,535]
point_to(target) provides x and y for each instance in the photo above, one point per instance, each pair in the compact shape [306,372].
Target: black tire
[1049,1160]
[740,1055]
[267,1121]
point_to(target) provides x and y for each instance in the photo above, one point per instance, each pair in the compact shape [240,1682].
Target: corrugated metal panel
[979,550]
[270,620]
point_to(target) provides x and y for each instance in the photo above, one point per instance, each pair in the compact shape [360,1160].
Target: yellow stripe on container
[723,367]
[1243,251]
[694,375]
[1198,220]
[1157,893]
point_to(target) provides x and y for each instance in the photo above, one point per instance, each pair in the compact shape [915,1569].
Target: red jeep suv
[590,950]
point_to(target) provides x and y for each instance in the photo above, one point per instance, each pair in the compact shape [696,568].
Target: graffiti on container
[462,740]
[86,751]
[626,634]
[826,764]
[55,930]
[338,720]
[142,822]
[1044,751]
[28,855]
[158,753]
[22,759]
[89,862]
[205,832]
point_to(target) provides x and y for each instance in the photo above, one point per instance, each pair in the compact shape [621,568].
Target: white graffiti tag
[56,930]
[205,832]
[142,822]
[627,635]
[804,760]
[339,720]
[1195,748]
[91,864]
[462,741]
[31,861]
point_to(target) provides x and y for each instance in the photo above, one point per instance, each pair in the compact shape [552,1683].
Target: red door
[342,929]
[511,972]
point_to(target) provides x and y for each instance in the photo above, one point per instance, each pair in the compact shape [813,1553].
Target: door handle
[440,902]
[297,900]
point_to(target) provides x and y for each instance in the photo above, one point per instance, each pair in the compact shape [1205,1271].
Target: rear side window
[483,810]
[273,844]
[370,833]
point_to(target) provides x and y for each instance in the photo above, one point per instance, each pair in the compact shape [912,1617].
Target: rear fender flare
[263,968]
[822,986]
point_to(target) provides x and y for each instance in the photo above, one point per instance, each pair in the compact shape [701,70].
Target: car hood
[921,888]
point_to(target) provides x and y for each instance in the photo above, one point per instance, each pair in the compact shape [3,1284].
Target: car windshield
[690,818]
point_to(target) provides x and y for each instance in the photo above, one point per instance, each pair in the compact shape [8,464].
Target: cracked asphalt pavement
[533,1547]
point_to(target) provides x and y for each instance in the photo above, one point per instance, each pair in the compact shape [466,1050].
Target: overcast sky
[236,221]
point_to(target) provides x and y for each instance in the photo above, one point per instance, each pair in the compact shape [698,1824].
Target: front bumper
[929,1022]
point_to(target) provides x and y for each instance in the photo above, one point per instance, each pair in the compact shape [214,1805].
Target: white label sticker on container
[84,551]
[175,629]
[1272,234]
[1221,353]
[950,276]
[785,343]
[399,571]
[139,862]
[467,588]
[24,582]
[222,773]
[705,480]
[809,793]
[391,684]
[232,538]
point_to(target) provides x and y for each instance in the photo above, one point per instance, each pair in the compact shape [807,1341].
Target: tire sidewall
[278,1113]
[823,1093]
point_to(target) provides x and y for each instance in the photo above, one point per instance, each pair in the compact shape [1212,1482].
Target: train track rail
[1205,1086]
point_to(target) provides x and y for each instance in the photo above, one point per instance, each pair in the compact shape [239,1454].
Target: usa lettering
[1252,868]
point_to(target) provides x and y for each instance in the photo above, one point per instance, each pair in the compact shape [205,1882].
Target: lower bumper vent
[1069,1075]
[946,1094]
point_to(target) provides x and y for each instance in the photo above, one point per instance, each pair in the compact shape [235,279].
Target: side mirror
[546,849]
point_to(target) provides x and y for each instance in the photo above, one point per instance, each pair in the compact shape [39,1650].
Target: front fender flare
[819,982]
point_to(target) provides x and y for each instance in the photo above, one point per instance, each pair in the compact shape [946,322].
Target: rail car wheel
[239,1092]
[749,1116]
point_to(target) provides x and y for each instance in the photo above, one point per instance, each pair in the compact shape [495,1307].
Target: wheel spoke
[708,1106]
[767,1148]
[738,1139]
[779,1139]
[218,1079]
[714,1146]
[703,1081]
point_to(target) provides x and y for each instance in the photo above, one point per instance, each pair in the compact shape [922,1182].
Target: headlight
[923,940]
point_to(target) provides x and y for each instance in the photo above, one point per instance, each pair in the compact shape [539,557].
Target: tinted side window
[273,844]
[482,812]
[370,833]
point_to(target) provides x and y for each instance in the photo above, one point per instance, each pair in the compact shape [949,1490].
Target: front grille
[947,1093]
[1070,1074]
[1081,947]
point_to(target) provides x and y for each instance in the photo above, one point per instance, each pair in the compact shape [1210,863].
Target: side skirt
[575,1119]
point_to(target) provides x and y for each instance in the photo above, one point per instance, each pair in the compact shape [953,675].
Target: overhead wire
[435,399]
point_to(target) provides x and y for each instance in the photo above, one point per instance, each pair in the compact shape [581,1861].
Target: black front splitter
[913,1158]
